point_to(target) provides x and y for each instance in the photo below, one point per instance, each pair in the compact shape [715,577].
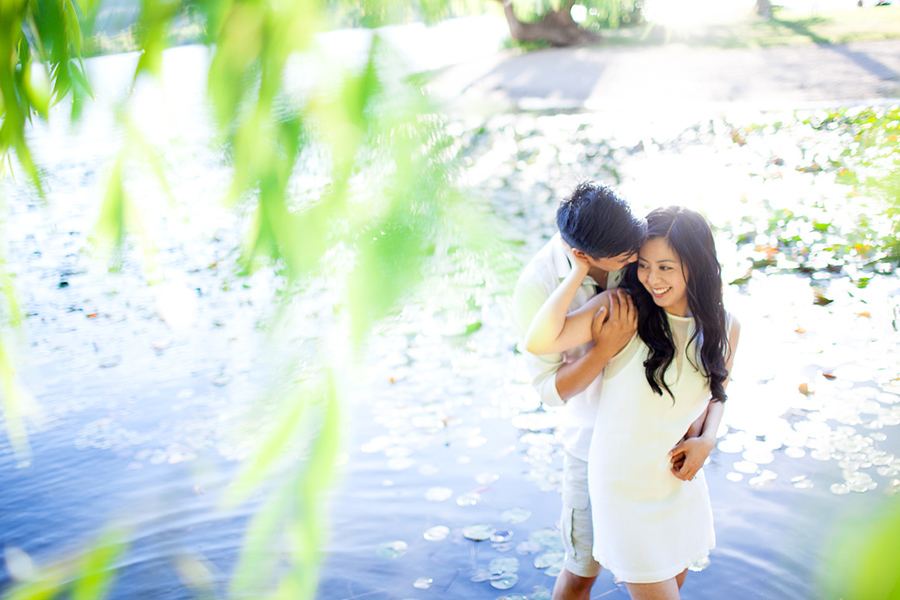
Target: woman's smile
[661,273]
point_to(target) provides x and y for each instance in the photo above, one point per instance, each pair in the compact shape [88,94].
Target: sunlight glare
[683,14]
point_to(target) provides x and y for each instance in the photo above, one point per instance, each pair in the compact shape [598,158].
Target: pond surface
[151,396]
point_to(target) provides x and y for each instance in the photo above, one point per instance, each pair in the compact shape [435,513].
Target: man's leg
[572,587]
[580,569]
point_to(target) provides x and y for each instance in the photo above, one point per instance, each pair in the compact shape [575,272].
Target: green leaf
[290,420]
[110,229]
[96,570]
[862,558]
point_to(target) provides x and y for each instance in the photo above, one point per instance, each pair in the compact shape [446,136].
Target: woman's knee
[660,590]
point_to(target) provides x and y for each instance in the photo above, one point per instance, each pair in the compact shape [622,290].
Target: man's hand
[693,431]
[613,329]
[693,447]
[578,263]
[689,455]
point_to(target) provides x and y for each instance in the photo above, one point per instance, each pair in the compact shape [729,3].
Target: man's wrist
[600,354]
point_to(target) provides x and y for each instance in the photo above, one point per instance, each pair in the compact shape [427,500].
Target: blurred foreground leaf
[863,561]
[291,523]
[85,577]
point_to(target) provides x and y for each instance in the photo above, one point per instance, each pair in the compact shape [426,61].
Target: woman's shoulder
[732,325]
[731,321]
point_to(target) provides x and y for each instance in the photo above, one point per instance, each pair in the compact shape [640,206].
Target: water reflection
[450,484]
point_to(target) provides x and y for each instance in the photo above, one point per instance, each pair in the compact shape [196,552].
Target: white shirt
[541,276]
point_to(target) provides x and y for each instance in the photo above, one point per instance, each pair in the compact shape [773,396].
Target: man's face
[609,263]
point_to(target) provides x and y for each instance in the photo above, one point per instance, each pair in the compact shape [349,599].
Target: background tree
[553,22]
[389,196]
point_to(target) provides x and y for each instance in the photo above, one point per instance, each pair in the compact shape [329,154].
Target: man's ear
[580,254]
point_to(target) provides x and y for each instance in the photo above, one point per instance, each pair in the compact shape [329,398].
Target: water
[150,396]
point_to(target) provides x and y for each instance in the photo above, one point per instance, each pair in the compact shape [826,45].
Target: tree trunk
[556,28]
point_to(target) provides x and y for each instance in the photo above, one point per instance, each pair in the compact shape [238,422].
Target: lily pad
[437,533]
[549,559]
[479,531]
[505,582]
[504,565]
[392,550]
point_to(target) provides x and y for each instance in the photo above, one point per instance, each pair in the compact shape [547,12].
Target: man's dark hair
[595,220]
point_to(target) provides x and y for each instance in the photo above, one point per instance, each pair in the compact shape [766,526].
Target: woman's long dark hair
[688,234]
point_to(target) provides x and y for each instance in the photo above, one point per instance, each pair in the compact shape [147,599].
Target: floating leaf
[392,550]
[437,533]
[500,566]
[505,582]
[469,499]
[502,536]
[520,515]
[549,559]
[479,532]
[423,583]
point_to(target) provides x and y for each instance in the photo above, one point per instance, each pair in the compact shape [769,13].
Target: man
[597,226]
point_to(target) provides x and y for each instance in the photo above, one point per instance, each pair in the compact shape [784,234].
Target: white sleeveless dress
[648,525]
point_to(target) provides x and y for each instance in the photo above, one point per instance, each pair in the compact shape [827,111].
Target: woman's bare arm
[554,330]
[688,456]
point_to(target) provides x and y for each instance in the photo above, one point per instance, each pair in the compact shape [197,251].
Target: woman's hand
[689,455]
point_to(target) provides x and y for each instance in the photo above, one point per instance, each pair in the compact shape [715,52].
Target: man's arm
[610,336]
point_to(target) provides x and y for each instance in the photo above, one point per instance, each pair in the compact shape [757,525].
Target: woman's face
[660,271]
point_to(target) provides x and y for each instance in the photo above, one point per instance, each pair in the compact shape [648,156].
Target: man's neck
[599,275]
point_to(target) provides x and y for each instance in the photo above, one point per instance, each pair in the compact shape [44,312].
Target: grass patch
[784,28]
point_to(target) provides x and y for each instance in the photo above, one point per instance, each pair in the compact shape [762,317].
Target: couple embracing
[623,321]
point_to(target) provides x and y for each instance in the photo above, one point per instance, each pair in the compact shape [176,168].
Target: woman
[652,519]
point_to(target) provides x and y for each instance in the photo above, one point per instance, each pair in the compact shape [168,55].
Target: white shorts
[576,524]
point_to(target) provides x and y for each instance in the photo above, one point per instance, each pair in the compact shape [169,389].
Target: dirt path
[672,76]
